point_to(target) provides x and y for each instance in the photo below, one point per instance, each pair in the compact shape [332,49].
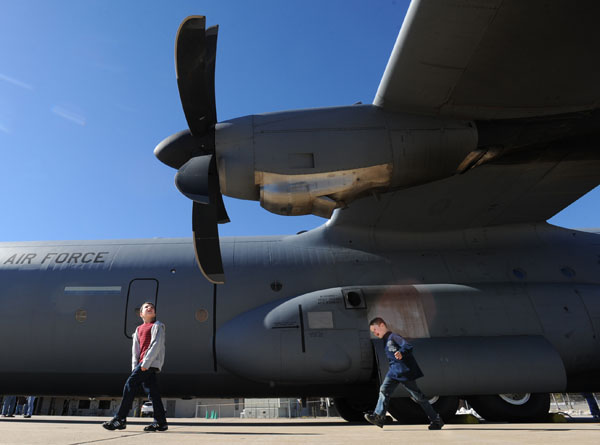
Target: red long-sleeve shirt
[144,334]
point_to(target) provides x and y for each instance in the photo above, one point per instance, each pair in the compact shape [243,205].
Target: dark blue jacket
[406,368]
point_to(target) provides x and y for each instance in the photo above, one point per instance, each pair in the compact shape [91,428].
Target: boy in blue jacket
[404,370]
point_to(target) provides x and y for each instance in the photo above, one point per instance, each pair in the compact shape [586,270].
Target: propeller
[192,151]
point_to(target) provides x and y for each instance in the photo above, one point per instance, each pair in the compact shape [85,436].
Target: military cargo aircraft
[484,126]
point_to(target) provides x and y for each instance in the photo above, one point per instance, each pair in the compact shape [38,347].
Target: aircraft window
[201,315]
[276,286]
[568,272]
[519,273]
[80,315]
[354,299]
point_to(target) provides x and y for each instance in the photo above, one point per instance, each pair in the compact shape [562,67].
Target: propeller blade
[195,56]
[222,217]
[206,242]
[193,152]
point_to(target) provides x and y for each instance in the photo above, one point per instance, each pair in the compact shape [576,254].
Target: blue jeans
[8,407]
[387,388]
[146,380]
[29,406]
[591,401]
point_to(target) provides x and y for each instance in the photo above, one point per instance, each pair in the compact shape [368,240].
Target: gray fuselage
[68,309]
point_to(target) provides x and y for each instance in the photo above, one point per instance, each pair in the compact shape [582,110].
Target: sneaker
[436,424]
[375,419]
[157,427]
[115,424]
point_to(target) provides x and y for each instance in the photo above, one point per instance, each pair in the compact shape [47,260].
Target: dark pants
[387,388]
[591,401]
[147,380]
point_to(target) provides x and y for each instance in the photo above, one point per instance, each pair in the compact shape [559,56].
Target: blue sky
[87,89]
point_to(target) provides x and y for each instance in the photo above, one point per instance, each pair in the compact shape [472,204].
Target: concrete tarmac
[61,430]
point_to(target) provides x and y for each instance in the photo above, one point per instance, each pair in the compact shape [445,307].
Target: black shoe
[115,424]
[436,424]
[157,427]
[375,419]
[26,416]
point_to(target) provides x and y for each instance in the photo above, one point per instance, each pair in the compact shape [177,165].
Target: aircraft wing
[510,66]
[494,59]
[520,188]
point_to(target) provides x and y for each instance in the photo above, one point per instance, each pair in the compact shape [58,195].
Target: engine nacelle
[313,161]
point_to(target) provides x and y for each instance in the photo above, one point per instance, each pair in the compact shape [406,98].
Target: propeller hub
[180,147]
[196,178]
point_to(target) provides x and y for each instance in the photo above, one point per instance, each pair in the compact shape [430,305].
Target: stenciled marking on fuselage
[57,258]
[329,299]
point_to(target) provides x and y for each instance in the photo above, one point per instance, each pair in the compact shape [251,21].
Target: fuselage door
[140,291]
